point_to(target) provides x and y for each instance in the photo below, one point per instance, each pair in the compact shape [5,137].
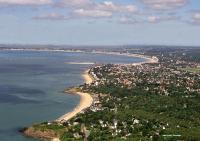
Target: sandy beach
[87,77]
[148,59]
[85,100]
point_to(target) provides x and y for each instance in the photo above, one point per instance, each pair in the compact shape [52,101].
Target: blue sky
[100,22]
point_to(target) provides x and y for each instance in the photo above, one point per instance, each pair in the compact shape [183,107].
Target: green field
[194,70]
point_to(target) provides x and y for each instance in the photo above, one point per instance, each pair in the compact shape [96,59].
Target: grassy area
[54,128]
[194,70]
[46,126]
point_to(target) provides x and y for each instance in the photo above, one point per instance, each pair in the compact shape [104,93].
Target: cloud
[122,13]
[91,9]
[195,18]
[128,20]
[164,4]
[110,6]
[25,2]
[105,5]
[75,3]
[76,14]
[50,16]
[153,19]
[147,19]
[156,19]
[91,13]
[92,5]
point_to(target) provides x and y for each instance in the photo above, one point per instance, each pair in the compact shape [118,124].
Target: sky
[100,22]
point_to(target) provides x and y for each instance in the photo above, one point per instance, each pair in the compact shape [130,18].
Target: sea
[32,85]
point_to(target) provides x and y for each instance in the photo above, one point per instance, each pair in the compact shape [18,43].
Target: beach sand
[148,59]
[55,139]
[87,77]
[85,100]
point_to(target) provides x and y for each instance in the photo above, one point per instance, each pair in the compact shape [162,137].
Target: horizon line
[103,45]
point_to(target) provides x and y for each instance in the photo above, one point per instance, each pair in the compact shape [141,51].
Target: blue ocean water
[32,84]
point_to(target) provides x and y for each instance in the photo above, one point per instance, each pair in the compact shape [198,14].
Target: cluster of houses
[153,77]
[158,78]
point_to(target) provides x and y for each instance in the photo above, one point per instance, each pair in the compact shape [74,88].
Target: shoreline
[148,59]
[86,100]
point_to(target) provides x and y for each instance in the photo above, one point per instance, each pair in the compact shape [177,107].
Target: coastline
[148,59]
[86,100]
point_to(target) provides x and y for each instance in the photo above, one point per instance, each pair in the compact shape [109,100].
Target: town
[150,101]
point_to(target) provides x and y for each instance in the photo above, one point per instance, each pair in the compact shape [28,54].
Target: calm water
[32,84]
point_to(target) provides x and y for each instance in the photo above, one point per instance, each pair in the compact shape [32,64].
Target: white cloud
[127,20]
[94,9]
[97,10]
[102,6]
[25,2]
[156,19]
[195,18]
[91,13]
[164,4]
[78,13]
[153,19]
[110,6]
[50,16]
[75,3]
